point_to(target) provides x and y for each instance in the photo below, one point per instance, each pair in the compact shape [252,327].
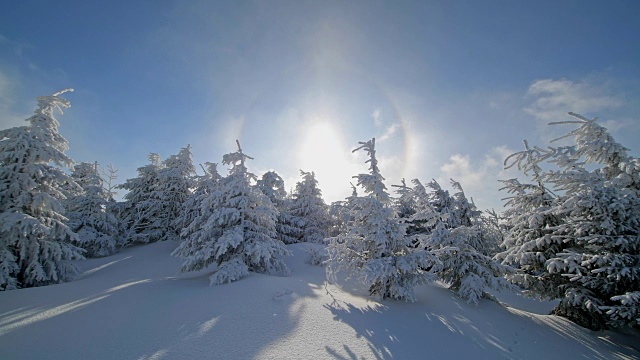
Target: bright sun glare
[323,151]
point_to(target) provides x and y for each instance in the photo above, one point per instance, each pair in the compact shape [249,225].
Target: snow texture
[133,305]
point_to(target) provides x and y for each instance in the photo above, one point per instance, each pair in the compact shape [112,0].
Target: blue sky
[448,88]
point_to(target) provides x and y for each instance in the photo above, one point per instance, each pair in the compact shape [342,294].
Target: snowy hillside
[134,305]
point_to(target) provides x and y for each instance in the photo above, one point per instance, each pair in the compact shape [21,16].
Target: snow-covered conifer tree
[340,214]
[309,209]
[140,203]
[596,242]
[530,219]
[453,233]
[35,243]
[375,247]
[237,234]
[406,206]
[493,228]
[97,228]
[288,226]
[175,181]
[272,185]
[157,196]
[206,184]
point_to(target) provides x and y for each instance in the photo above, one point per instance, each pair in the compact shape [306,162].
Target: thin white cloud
[618,124]
[377,121]
[552,99]
[391,130]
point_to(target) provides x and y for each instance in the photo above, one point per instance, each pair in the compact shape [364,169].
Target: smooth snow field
[135,305]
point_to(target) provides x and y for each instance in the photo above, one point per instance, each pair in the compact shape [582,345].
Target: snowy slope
[134,305]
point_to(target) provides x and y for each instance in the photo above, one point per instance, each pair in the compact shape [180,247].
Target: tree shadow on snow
[441,325]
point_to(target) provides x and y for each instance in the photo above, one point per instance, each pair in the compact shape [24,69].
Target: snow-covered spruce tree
[602,227]
[35,243]
[140,203]
[597,265]
[493,230]
[288,226]
[191,212]
[167,187]
[238,229]
[309,209]
[375,247]
[175,181]
[340,214]
[455,236]
[530,218]
[406,206]
[87,213]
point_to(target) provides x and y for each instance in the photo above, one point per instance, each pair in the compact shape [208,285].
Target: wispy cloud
[391,130]
[552,99]
[377,121]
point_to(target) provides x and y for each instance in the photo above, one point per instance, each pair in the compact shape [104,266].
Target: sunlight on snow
[44,315]
[123,286]
[207,325]
[88,272]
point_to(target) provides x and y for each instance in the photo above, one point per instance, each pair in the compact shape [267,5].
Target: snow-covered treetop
[308,185]
[211,171]
[154,159]
[181,161]
[50,145]
[272,185]
[594,144]
[594,141]
[236,160]
[372,183]
[86,175]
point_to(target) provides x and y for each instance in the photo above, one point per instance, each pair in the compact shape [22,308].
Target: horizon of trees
[572,232]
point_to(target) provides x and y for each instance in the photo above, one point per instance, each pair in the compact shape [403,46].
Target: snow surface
[134,305]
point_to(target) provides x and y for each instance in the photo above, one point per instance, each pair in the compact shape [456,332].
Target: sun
[323,151]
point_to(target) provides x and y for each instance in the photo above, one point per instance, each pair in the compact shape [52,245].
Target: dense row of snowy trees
[570,233]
